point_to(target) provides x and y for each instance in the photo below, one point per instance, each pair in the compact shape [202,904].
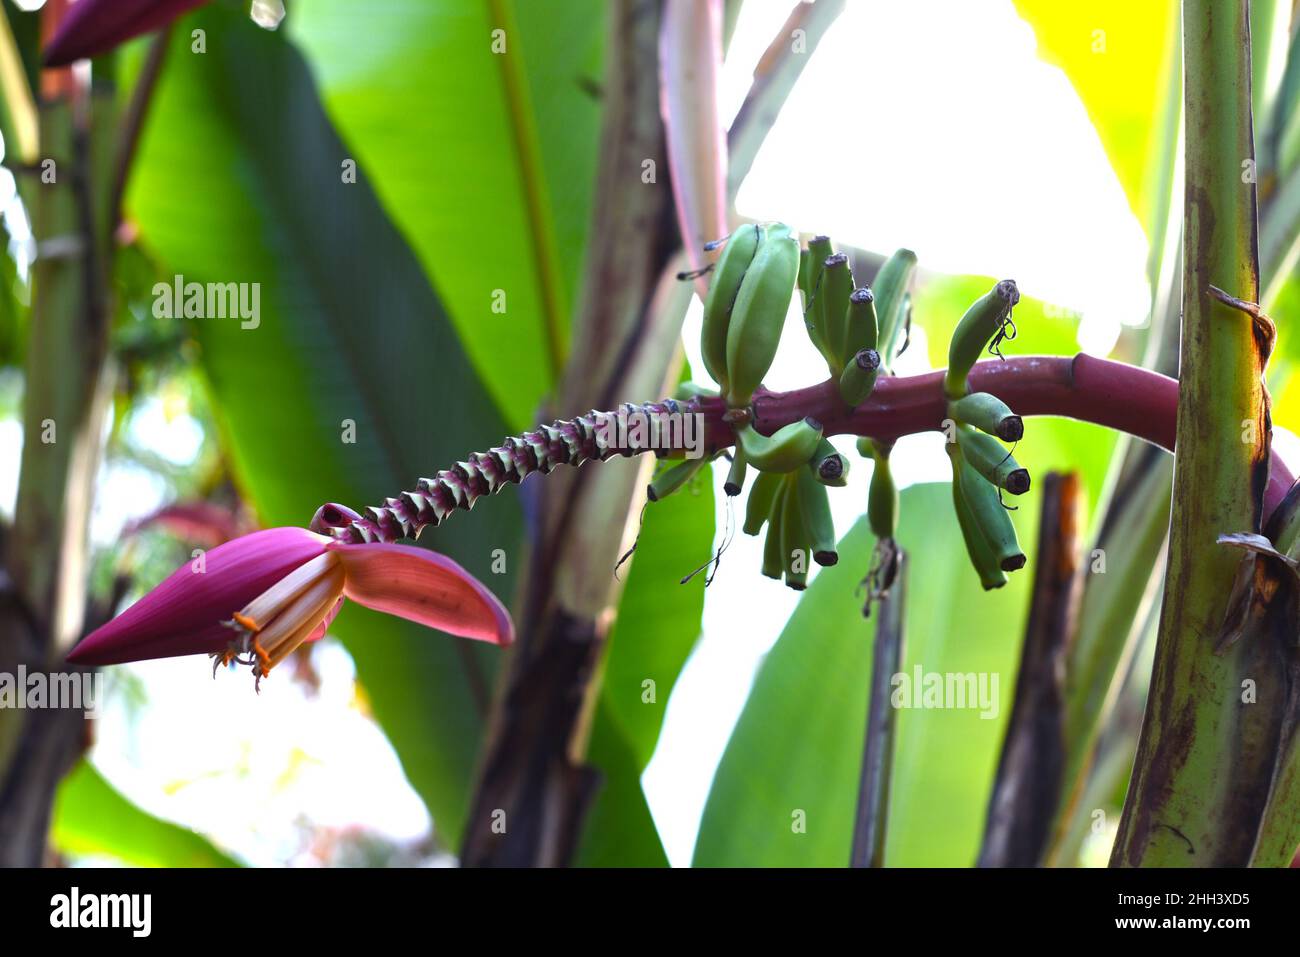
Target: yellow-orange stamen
[280,619]
[272,602]
[263,658]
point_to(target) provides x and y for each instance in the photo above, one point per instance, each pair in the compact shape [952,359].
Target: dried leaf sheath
[575,441]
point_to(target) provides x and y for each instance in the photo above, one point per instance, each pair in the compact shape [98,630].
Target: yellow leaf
[1118,56]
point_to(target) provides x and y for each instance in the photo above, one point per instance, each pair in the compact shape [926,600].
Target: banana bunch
[982,469]
[877,323]
[753,283]
[796,510]
[858,331]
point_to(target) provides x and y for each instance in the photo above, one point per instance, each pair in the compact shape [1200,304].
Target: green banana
[882,495]
[890,290]
[982,321]
[816,511]
[794,537]
[736,474]
[829,467]
[977,546]
[859,377]
[728,275]
[989,515]
[669,480]
[837,287]
[988,457]
[863,325]
[773,566]
[762,496]
[693,390]
[805,264]
[814,317]
[759,314]
[989,414]
[784,450]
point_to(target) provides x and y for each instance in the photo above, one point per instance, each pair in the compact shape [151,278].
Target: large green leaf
[798,744]
[238,180]
[485,160]
[658,624]
[91,818]
[659,618]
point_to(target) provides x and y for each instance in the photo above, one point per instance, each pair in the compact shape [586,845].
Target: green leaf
[659,618]
[13,315]
[658,624]
[619,831]
[91,818]
[798,744]
[238,180]
[485,160]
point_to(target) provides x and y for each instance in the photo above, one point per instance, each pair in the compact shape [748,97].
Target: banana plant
[530,724]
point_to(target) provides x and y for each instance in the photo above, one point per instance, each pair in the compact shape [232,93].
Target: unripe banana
[773,566]
[814,317]
[759,313]
[992,460]
[890,290]
[882,495]
[805,264]
[989,414]
[828,466]
[863,324]
[693,390]
[859,377]
[816,510]
[736,474]
[794,537]
[990,516]
[982,321]
[837,287]
[728,274]
[672,478]
[977,546]
[784,450]
[762,496]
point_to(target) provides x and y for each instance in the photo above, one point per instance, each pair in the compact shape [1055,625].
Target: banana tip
[1013,563]
[1011,429]
[1018,482]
